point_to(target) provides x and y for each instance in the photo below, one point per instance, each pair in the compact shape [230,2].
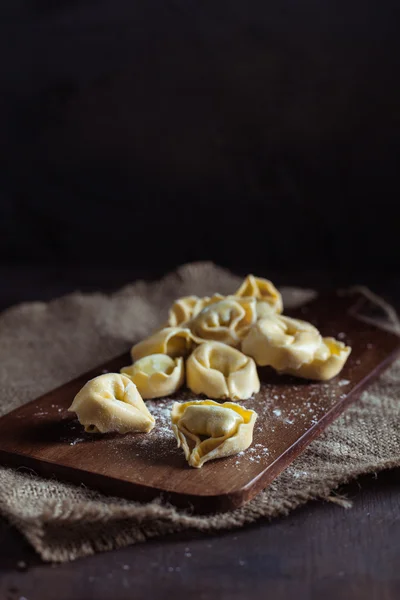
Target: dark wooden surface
[43,436]
[317,551]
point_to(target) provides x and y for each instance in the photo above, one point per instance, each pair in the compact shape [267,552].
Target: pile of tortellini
[214,344]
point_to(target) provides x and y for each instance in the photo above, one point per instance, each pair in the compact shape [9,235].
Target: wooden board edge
[255,486]
[199,504]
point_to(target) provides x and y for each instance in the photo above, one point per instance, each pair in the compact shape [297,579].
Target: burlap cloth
[44,345]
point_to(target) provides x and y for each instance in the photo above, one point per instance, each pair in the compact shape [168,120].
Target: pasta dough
[264,291]
[281,342]
[183,310]
[207,430]
[111,402]
[226,321]
[220,371]
[295,347]
[327,363]
[156,375]
[173,341]
[188,307]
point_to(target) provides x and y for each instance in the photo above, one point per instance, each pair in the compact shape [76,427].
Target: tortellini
[156,375]
[186,308]
[295,347]
[183,310]
[111,403]
[281,342]
[223,338]
[173,341]
[207,430]
[265,293]
[327,363]
[220,371]
[226,321]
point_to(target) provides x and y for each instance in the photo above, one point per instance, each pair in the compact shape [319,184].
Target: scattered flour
[277,409]
[77,441]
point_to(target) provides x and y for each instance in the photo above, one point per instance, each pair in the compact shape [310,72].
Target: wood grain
[43,436]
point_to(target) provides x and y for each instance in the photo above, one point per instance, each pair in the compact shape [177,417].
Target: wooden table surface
[320,550]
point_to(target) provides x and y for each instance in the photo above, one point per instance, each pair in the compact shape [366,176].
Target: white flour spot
[76,441]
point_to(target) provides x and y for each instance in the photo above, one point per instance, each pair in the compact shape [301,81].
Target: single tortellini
[264,291]
[282,343]
[156,375]
[225,321]
[296,348]
[207,430]
[183,310]
[327,363]
[111,402]
[173,341]
[186,308]
[220,371]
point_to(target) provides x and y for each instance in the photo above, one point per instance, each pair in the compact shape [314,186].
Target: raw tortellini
[327,362]
[209,331]
[173,341]
[295,347]
[186,308]
[183,310]
[207,430]
[220,371]
[156,375]
[226,321]
[111,402]
[282,342]
[267,296]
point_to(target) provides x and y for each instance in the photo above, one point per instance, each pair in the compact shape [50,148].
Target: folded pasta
[281,342]
[295,347]
[156,375]
[220,371]
[226,321]
[207,430]
[111,402]
[173,341]
[186,308]
[264,292]
[328,361]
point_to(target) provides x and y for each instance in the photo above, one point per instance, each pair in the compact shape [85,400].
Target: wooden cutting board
[44,437]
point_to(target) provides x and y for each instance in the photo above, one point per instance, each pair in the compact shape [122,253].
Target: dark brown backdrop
[158,132]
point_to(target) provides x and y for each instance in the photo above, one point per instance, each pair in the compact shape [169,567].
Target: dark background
[139,134]
[151,133]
